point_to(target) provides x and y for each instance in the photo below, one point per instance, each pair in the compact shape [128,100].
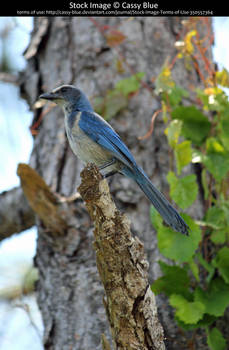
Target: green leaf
[98,104]
[188,312]
[176,94]
[115,101]
[156,218]
[205,183]
[111,104]
[213,98]
[219,236]
[183,190]
[216,159]
[216,340]
[223,127]
[214,146]
[215,298]
[215,217]
[173,132]
[164,112]
[208,267]
[225,207]
[222,263]
[183,154]
[207,320]
[131,84]
[195,125]
[222,77]
[224,135]
[195,269]
[117,98]
[217,164]
[164,81]
[176,246]
[168,282]
[203,97]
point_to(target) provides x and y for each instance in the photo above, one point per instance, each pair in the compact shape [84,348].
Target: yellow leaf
[188,41]
[222,78]
[164,112]
[119,66]
[164,81]
[166,72]
[212,91]
[209,91]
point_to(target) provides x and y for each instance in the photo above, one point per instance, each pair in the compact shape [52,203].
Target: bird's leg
[110,174]
[106,165]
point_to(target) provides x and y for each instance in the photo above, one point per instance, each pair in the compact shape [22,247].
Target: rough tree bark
[130,304]
[75,51]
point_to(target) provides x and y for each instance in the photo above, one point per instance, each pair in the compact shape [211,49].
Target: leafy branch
[197,284]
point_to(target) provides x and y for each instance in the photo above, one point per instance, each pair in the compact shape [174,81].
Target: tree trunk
[79,51]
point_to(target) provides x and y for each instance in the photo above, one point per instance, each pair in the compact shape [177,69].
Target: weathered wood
[123,269]
[16,215]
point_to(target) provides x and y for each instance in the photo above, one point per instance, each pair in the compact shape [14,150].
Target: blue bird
[93,140]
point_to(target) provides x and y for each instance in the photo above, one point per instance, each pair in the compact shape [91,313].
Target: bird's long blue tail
[161,204]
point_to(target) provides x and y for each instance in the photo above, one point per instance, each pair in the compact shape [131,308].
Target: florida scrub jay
[93,140]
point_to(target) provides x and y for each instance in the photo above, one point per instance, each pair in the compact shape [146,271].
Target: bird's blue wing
[102,133]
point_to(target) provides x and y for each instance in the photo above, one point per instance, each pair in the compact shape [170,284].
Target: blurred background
[20,320]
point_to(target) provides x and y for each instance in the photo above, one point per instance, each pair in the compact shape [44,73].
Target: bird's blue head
[68,97]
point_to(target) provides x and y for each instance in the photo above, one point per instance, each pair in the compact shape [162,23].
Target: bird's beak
[49,96]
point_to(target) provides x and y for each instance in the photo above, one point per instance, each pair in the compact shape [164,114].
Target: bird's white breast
[82,145]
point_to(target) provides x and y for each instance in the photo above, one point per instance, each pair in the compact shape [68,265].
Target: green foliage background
[196,277]
[196,280]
